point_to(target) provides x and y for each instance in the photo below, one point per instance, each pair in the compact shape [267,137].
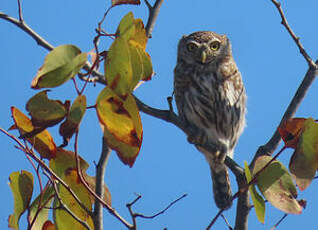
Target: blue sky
[167,166]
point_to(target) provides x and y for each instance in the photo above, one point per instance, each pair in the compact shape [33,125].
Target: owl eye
[215,45]
[191,47]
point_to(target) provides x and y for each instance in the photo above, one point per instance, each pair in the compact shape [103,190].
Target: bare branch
[134,215]
[293,35]
[162,211]
[226,222]
[280,220]
[153,14]
[99,188]
[20,11]
[214,219]
[40,41]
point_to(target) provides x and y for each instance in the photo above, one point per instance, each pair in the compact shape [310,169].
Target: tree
[93,92]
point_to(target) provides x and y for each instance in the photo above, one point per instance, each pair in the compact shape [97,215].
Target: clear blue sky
[167,166]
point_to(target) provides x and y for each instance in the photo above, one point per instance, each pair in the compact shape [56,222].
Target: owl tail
[221,186]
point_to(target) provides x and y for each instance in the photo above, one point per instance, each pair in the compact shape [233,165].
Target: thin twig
[293,35]
[134,215]
[214,219]
[281,219]
[162,211]
[99,188]
[20,12]
[226,222]
[46,168]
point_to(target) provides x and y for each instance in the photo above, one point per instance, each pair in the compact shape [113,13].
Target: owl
[211,101]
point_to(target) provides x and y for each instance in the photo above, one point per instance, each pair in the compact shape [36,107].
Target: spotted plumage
[210,98]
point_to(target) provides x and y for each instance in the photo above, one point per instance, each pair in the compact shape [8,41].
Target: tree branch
[134,215]
[293,35]
[153,14]
[99,189]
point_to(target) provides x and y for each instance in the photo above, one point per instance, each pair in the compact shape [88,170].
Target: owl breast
[211,99]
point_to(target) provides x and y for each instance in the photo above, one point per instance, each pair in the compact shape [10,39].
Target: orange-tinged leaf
[126,153]
[290,131]
[118,68]
[44,111]
[64,160]
[48,225]
[74,118]
[21,184]
[42,142]
[119,2]
[60,65]
[304,162]
[276,185]
[122,124]
[258,201]
[64,220]
[121,117]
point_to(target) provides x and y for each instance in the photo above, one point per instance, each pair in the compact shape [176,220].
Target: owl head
[203,47]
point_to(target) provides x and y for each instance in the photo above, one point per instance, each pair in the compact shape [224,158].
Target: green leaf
[74,118]
[64,160]
[121,122]
[46,198]
[127,62]
[21,184]
[46,112]
[64,220]
[304,162]
[276,185]
[60,65]
[258,201]
[118,68]
[126,27]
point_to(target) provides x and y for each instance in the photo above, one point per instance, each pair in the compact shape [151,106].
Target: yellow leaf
[121,120]
[258,201]
[41,142]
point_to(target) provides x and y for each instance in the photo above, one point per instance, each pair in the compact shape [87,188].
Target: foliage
[127,63]
[69,190]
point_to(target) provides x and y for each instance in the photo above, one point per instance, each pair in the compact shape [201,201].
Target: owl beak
[203,56]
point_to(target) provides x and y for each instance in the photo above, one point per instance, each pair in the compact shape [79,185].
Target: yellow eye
[215,45]
[191,47]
